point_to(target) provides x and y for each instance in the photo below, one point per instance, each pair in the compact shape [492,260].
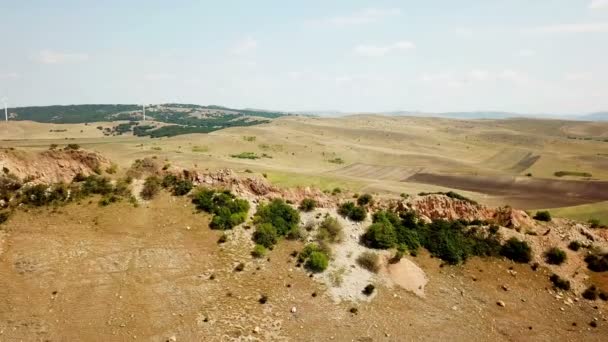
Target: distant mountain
[600,116]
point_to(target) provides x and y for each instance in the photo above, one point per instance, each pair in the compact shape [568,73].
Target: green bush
[182,187]
[517,250]
[72,147]
[590,293]
[370,261]
[353,212]
[151,188]
[380,235]
[574,246]
[330,230]
[555,256]
[280,215]
[307,204]
[543,216]
[597,262]
[169,181]
[317,262]
[594,223]
[258,251]
[365,199]
[228,210]
[559,282]
[96,185]
[265,235]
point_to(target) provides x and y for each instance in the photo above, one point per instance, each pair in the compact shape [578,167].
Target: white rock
[500,303]
[293,309]
[256,330]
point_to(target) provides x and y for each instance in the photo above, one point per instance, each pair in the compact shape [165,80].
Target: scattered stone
[263,299]
[501,303]
[368,290]
[172,339]
[505,288]
[293,309]
[354,310]
[256,330]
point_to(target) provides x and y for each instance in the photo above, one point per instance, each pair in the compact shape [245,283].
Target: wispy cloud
[381,50]
[56,57]
[598,4]
[9,76]
[245,46]
[365,16]
[570,28]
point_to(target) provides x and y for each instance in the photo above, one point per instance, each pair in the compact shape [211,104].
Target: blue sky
[532,56]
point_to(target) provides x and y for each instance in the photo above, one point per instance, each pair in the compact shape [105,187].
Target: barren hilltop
[363,228]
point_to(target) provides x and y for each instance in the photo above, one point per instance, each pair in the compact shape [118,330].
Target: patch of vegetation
[368,290]
[178,186]
[151,188]
[246,155]
[595,223]
[315,258]
[273,221]
[4,215]
[555,256]
[228,210]
[336,191]
[352,211]
[200,149]
[544,216]
[112,169]
[590,293]
[572,173]
[365,199]
[559,282]
[258,251]
[597,262]
[330,230]
[72,147]
[517,250]
[307,205]
[336,160]
[249,138]
[574,246]
[450,194]
[370,261]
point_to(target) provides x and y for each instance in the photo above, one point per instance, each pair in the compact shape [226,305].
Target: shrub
[560,282]
[4,215]
[308,204]
[72,147]
[258,251]
[517,250]
[353,212]
[223,238]
[590,293]
[543,216]
[96,185]
[182,187]
[228,210]
[112,169]
[365,199]
[368,290]
[597,263]
[317,262]
[169,181]
[574,246]
[370,261]
[555,256]
[330,230]
[151,188]
[380,235]
[336,191]
[108,199]
[265,235]
[594,223]
[279,214]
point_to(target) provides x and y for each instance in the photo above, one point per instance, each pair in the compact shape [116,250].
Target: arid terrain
[153,270]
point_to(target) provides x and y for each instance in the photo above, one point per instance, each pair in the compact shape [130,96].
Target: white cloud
[578,76]
[55,57]
[571,28]
[159,76]
[598,4]
[245,46]
[9,76]
[365,16]
[526,53]
[381,50]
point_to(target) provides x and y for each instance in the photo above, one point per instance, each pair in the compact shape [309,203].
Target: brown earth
[523,192]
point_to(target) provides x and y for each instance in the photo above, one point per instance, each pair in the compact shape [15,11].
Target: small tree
[365,199]
[543,216]
[307,204]
[517,250]
[380,235]
[555,256]
[317,262]
[265,235]
[151,188]
[258,251]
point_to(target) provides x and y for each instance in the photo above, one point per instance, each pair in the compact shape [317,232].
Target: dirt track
[523,192]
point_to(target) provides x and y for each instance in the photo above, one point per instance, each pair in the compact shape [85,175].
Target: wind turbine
[143,108]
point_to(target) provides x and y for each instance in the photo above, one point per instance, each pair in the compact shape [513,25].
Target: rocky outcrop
[51,166]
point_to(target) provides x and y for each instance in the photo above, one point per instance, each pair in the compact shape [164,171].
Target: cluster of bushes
[228,210]
[352,211]
[544,216]
[365,199]
[450,194]
[597,262]
[273,221]
[592,292]
[451,241]
[314,257]
[559,282]
[178,186]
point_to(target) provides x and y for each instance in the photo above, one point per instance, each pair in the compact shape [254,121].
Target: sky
[526,56]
